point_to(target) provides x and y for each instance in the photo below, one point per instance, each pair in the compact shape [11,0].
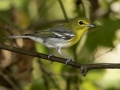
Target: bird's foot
[51,54]
[69,59]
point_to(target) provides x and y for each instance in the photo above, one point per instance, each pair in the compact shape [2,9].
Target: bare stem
[83,67]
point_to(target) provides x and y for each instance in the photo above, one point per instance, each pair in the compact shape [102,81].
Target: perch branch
[83,67]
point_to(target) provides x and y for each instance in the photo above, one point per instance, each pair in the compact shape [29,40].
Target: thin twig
[49,74]
[6,20]
[10,81]
[63,10]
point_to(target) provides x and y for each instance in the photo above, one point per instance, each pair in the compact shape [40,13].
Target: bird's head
[81,24]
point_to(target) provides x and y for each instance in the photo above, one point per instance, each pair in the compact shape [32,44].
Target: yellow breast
[76,38]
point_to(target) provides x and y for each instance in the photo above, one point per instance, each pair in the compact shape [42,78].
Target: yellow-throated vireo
[60,36]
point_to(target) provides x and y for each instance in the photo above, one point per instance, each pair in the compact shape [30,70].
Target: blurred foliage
[21,72]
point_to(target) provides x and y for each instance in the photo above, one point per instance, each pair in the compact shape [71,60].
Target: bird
[60,36]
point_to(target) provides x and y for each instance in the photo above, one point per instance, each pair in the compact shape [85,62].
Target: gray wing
[56,32]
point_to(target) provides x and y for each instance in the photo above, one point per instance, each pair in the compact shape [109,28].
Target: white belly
[51,42]
[54,42]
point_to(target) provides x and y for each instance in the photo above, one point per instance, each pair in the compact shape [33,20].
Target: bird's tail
[16,36]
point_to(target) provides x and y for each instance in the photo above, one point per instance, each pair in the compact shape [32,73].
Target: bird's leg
[58,49]
[51,54]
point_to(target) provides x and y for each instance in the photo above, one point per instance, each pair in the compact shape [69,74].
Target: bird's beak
[91,25]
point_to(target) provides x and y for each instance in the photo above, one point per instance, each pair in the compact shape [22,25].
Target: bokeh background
[99,45]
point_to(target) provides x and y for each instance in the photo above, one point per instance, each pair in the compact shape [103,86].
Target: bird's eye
[80,22]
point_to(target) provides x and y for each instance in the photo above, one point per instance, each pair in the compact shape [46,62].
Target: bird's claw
[69,59]
[51,54]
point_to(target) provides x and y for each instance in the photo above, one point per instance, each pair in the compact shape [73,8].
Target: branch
[83,67]
[86,7]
